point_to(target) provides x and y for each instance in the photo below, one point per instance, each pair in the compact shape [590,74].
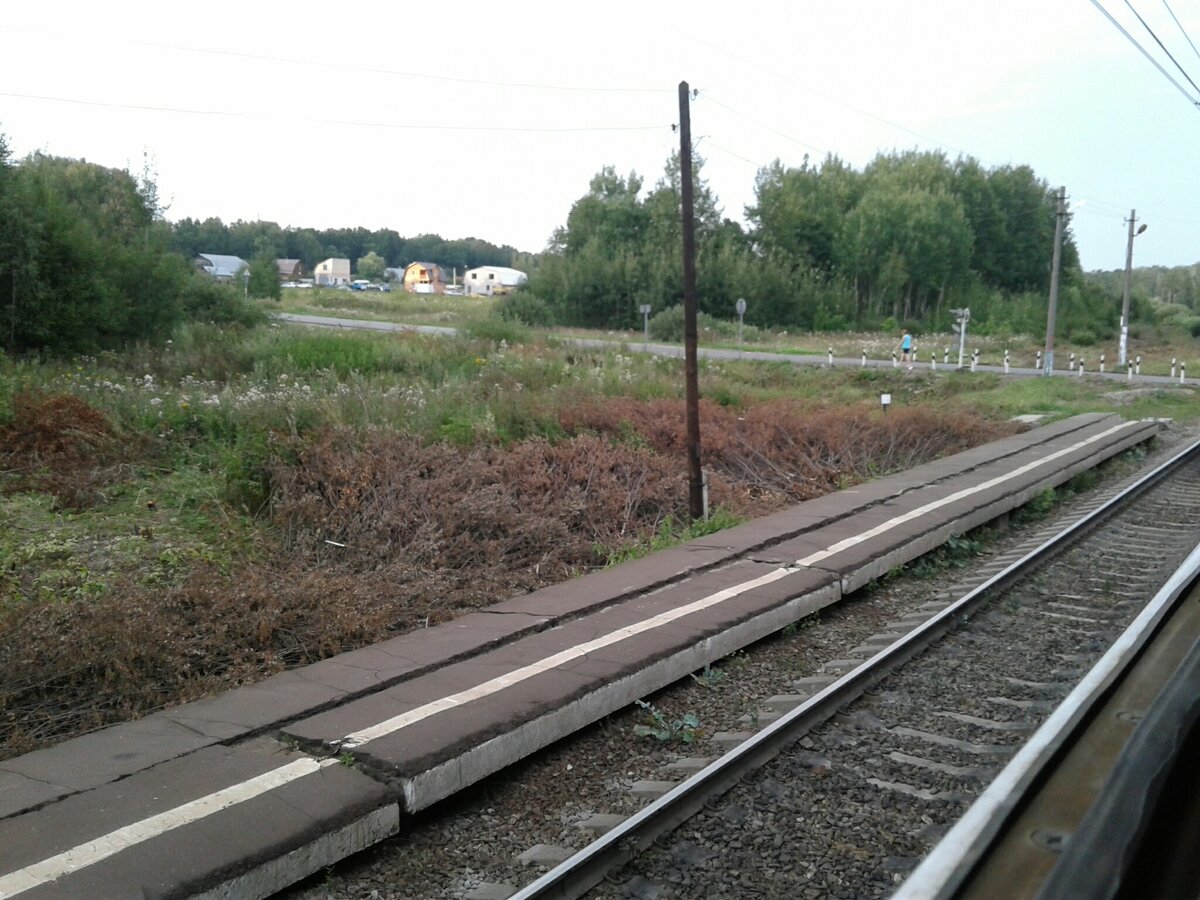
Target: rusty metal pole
[695,475]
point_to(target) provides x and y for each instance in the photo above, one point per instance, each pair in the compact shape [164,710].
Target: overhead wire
[1163,46]
[405,126]
[375,70]
[1182,30]
[1146,53]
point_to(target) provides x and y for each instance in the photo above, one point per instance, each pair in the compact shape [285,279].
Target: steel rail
[950,863]
[586,868]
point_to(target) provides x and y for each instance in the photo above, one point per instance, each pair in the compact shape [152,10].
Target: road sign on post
[740,306]
[962,317]
[644,309]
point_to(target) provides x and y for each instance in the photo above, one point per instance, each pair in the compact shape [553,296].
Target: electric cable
[1161,45]
[1182,30]
[1146,53]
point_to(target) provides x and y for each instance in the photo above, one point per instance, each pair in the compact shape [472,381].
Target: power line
[1146,53]
[371,70]
[405,126]
[729,152]
[824,96]
[705,95]
[1161,45]
[1181,28]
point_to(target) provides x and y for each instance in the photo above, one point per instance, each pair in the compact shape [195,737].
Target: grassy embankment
[188,517]
[1157,344]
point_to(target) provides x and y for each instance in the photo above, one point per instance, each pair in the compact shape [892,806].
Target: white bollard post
[831,356]
[1038,366]
[946,357]
[895,362]
[1173,367]
[1071,368]
[864,362]
[1182,372]
[1137,368]
[1129,377]
[932,361]
[1005,362]
[1101,363]
[1081,367]
[974,359]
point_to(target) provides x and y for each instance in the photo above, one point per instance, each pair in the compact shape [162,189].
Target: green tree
[264,277]
[371,266]
[87,263]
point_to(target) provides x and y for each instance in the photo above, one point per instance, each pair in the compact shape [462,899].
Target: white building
[488,280]
[332,271]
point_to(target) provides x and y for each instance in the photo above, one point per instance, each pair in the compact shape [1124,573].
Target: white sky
[488,120]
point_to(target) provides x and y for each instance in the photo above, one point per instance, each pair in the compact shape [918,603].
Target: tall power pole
[695,475]
[1123,346]
[1060,213]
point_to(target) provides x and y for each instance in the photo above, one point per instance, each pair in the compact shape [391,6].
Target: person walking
[905,346]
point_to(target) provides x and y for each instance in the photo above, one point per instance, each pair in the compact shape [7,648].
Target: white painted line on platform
[388,726]
[403,720]
[83,855]
[951,498]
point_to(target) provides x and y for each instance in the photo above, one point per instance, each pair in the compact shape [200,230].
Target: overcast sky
[488,119]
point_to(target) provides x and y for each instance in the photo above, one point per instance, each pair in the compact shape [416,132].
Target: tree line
[907,238]
[311,245]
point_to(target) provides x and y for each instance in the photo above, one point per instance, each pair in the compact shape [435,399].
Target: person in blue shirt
[906,346]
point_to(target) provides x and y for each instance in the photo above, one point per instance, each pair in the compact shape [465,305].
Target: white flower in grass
[156,401]
[214,400]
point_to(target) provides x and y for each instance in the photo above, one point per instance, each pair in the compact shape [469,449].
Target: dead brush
[58,444]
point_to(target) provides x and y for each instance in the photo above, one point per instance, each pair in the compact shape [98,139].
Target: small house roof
[221,265]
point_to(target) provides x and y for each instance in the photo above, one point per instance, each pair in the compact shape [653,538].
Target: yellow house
[424,278]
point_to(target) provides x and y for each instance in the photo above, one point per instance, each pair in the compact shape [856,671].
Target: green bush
[525,308]
[668,325]
[205,300]
[496,330]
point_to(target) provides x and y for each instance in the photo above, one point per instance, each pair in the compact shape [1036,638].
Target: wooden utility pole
[691,369]
[1059,214]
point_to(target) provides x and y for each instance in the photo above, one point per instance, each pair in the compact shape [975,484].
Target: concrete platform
[426,714]
[234,822]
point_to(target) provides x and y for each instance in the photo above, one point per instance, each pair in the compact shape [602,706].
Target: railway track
[836,797]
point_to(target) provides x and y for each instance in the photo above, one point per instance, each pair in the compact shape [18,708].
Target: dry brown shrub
[534,510]
[381,535]
[780,452]
[58,444]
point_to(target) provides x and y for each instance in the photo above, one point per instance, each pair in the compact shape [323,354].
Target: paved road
[675,350]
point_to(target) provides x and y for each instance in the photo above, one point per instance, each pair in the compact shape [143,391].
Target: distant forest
[311,245]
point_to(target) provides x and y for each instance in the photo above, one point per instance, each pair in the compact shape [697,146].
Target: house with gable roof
[219,266]
[424,278]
